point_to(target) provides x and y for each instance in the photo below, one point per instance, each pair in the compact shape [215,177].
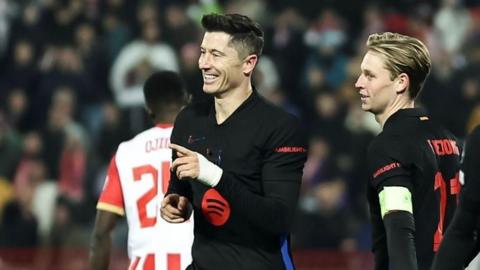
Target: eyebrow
[212,50]
[367,72]
[220,52]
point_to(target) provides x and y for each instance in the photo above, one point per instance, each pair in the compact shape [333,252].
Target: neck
[227,102]
[396,106]
[167,119]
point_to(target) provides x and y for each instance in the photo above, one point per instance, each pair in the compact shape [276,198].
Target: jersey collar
[163,125]
[403,113]
[250,101]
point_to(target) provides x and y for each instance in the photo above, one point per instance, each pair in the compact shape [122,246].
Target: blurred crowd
[71,76]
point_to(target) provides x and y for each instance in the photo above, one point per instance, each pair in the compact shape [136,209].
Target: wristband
[209,173]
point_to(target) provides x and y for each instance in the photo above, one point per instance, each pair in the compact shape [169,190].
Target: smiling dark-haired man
[237,159]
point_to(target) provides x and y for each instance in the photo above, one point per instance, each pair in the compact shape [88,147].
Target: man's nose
[359,82]
[204,62]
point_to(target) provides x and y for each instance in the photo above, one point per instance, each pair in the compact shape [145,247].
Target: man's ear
[402,83]
[249,64]
[150,112]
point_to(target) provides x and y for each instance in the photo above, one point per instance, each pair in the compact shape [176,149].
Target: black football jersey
[471,170]
[244,221]
[414,152]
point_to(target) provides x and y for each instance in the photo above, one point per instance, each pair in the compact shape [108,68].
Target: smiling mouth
[363,98]
[209,78]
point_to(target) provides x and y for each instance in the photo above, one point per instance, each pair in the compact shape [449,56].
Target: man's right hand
[175,208]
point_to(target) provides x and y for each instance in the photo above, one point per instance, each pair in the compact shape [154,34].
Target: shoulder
[387,144]
[275,116]
[279,128]
[194,111]
[384,140]
[190,118]
[140,138]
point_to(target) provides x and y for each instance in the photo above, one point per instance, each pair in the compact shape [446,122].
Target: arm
[175,208]
[109,207]
[175,186]
[101,240]
[397,213]
[281,175]
[458,243]
[379,239]
[400,229]
[391,185]
[273,212]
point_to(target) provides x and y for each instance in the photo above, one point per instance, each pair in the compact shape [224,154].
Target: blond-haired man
[413,162]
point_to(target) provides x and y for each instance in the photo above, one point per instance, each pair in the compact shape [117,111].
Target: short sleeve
[111,198]
[388,165]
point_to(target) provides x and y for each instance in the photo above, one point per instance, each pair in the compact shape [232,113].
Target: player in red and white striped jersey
[137,180]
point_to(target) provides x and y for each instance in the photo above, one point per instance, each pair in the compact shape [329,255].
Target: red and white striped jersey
[136,183]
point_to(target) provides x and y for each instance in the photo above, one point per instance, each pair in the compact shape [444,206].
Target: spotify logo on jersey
[215,208]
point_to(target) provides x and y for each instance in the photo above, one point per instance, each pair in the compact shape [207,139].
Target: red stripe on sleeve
[112,191]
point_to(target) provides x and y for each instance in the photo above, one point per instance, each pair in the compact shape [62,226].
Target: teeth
[209,78]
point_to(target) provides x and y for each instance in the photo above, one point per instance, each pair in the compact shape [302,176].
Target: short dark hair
[164,90]
[247,35]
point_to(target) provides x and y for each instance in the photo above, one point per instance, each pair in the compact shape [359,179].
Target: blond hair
[403,54]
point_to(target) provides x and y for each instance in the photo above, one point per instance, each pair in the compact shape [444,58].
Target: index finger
[180,149]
